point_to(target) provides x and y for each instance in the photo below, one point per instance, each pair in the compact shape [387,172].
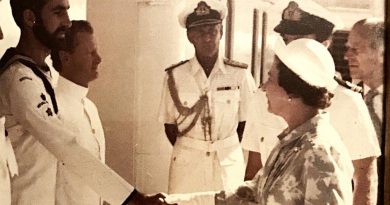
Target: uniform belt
[208,146]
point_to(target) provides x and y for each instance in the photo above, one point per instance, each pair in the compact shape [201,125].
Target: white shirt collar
[366,89]
[71,89]
[196,67]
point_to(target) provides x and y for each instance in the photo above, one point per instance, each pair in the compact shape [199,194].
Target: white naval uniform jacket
[40,140]
[207,163]
[261,127]
[79,115]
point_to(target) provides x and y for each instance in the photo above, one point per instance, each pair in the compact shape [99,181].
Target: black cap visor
[294,28]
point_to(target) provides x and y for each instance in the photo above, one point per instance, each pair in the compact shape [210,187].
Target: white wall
[161,43]
[10,30]
[115,24]
[137,40]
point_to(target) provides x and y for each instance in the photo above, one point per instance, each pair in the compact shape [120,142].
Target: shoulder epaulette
[176,65]
[235,63]
[349,85]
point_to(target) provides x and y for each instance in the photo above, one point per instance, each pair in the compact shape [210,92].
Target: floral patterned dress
[310,165]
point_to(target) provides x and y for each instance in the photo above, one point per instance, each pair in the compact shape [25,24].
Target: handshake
[244,195]
[154,199]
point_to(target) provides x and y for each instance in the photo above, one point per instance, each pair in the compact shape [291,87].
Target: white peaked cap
[205,17]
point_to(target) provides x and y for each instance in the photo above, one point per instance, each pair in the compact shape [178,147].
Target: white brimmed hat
[202,12]
[310,60]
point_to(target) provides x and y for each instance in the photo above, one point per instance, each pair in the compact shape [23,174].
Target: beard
[50,40]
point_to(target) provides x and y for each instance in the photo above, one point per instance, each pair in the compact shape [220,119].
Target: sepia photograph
[194,102]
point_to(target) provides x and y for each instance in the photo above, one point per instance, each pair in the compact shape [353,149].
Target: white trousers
[198,166]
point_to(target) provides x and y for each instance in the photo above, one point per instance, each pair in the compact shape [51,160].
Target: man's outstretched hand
[153,199]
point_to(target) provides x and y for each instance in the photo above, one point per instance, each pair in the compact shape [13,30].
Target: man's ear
[221,31]
[29,18]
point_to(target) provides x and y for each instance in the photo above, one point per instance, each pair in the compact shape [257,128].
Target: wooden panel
[387,111]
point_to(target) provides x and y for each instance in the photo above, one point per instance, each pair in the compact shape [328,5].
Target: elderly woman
[310,164]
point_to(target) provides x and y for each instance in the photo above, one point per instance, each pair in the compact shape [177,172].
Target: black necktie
[369,99]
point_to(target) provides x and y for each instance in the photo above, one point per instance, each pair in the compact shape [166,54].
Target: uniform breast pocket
[188,100]
[226,103]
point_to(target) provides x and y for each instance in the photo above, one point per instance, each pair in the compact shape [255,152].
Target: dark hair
[317,97]
[19,6]
[70,42]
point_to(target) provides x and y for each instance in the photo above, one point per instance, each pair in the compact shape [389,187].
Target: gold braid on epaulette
[183,110]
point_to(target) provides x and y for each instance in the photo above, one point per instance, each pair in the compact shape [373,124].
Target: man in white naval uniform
[365,60]
[204,107]
[28,102]
[348,113]
[77,64]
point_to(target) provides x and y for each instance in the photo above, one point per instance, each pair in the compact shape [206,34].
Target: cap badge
[202,9]
[292,12]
